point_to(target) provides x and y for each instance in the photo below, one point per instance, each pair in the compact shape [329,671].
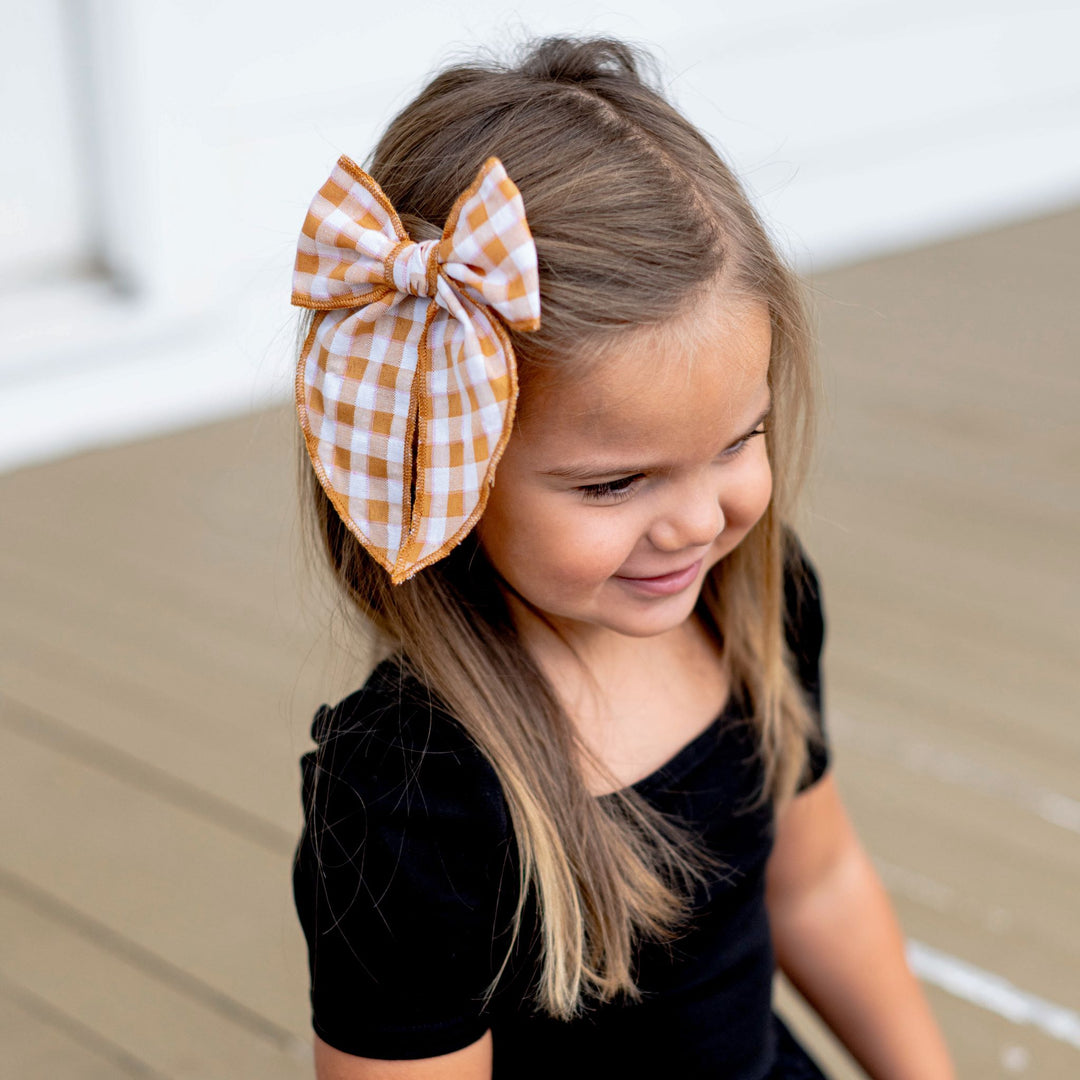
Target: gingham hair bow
[405,352]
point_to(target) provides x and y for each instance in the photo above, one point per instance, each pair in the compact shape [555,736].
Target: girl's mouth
[665,584]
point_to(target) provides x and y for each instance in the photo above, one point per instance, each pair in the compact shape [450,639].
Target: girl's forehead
[710,368]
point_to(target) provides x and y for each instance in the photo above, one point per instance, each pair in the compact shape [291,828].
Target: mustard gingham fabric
[407,347]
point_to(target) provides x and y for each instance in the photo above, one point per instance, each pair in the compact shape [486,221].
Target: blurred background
[164,640]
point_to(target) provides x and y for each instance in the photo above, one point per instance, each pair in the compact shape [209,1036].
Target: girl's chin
[662,615]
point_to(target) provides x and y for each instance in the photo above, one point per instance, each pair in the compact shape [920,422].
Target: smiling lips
[664,584]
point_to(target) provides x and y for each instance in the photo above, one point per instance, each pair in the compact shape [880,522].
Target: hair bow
[406,385]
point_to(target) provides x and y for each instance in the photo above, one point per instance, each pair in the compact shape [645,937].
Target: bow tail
[355,382]
[467,391]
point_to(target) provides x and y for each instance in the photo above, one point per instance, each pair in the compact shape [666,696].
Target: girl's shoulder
[394,748]
[804,616]
[804,629]
[399,873]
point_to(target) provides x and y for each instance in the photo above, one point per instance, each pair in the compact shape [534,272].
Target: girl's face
[618,492]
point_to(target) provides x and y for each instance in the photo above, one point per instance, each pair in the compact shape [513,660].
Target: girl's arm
[838,940]
[469,1063]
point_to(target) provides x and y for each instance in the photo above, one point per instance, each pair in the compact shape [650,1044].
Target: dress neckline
[671,772]
[683,760]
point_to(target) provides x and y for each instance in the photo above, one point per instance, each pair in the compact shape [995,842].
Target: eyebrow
[595,470]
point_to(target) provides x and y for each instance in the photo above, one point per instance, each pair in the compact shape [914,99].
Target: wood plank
[142,1025]
[39,1041]
[985,855]
[142,646]
[983,1044]
[163,886]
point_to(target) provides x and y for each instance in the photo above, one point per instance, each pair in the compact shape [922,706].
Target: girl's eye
[610,490]
[740,446]
[616,490]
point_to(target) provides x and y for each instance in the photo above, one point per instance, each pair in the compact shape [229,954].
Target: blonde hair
[633,214]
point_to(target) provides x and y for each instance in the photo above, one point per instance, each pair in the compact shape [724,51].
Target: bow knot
[408,348]
[412,267]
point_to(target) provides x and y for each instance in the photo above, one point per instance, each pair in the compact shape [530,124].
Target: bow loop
[490,251]
[409,348]
[348,233]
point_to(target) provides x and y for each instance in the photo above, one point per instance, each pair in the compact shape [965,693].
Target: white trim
[993,992]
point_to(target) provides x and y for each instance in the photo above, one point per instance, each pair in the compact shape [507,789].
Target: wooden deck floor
[162,649]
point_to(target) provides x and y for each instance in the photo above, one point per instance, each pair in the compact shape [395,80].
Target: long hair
[633,214]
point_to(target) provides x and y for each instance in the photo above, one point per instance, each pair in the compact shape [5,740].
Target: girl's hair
[634,217]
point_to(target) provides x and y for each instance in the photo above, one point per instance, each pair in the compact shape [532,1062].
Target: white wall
[206,126]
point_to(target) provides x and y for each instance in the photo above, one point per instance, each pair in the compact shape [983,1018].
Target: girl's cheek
[587,544]
[758,491]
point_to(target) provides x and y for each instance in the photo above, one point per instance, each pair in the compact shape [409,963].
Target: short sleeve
[397,875]
[805,631]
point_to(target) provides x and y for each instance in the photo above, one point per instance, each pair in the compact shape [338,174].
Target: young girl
[555,400]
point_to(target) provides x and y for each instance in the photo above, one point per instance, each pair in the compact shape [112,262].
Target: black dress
[405,884]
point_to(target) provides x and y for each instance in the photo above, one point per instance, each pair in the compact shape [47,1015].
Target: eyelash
[618,490]
[740,446]
[597,492]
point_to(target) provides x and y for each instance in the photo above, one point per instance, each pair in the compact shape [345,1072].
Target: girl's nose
[694,519]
